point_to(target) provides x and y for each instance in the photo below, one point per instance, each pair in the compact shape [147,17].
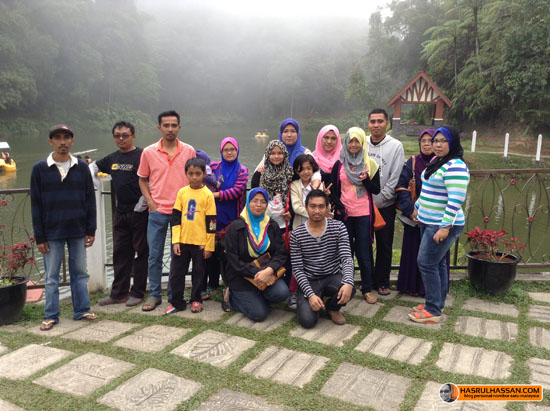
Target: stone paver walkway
[278,356]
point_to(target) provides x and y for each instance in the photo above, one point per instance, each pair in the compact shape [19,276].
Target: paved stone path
[231,342]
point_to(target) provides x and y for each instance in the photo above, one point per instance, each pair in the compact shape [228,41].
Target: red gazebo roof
[420,90]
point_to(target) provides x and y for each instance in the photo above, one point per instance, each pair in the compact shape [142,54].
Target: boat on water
[6,162]
[261,134]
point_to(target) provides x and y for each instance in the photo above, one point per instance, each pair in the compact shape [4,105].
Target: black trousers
[326,287]
[129,239]
[384,245]
[179,268]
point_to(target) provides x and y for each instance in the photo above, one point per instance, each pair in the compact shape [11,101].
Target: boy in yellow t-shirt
[193,231]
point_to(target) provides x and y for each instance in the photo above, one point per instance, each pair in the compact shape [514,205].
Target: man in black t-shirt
[129,221]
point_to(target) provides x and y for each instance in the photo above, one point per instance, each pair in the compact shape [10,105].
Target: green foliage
[19,127]
[103,118]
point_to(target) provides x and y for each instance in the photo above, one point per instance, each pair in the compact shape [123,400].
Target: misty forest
[95,62]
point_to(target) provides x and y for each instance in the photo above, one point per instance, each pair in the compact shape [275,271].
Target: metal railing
[515,200]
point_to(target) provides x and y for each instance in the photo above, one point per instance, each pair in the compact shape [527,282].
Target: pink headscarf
[324,158]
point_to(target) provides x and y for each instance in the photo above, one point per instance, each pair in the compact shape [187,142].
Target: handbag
[261,263]
[379,221]
[412,185]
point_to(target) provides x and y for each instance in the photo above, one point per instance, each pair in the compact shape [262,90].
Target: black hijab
[455,150]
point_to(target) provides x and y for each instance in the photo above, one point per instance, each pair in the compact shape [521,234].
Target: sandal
[196,307]
[151,304]
[384,291]
[205,295]
[47,325]
[424,316]
[89,317]
[225,301]
[369,298]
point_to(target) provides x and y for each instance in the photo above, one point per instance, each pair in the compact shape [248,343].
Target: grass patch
[33,397]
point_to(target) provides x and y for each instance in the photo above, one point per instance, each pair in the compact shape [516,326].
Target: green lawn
[33,397]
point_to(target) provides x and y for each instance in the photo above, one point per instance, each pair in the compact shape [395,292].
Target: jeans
[433,266]
[323,286]
[156,237]
[359,240]
[78,277]
[254,304]
[129,238]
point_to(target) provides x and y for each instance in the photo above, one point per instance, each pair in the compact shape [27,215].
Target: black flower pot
[492,277]
[12,301]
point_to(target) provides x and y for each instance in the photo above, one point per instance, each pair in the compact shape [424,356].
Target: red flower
[493,243]
[530,218]
[512,181]
[485,219]
[3,203]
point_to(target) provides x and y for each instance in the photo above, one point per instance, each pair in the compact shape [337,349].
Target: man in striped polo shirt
[322,264]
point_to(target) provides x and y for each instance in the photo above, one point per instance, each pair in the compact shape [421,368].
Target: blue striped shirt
[442,195]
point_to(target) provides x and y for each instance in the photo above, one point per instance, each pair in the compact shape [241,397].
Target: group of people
[292,237]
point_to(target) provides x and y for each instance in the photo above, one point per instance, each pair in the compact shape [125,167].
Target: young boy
[193,230]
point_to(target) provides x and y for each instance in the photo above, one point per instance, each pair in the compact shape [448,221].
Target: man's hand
[207,254]
[262,277]
[152,206]
[344,294]
[89,241]
[176,249]
[315,302]
[44,248]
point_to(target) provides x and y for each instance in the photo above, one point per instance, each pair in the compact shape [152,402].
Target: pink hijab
[324,158]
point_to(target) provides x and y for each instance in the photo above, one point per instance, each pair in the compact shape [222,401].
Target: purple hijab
[422,160]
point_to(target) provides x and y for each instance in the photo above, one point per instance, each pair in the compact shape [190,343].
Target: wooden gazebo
[420,90]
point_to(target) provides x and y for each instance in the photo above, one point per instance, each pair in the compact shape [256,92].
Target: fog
[243,59]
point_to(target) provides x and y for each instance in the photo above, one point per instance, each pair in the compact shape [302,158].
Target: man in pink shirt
[161,174]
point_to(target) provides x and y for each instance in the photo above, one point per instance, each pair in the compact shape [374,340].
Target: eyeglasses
[122,136]
[261,202]
[229,150]
[440,141]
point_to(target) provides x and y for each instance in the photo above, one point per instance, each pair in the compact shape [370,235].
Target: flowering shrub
[492,243]
[14,258]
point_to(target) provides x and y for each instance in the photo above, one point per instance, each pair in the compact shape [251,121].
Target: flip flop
[133,301]
[151,304]
[369,298]
[47,325]
[89,317]
[382,292]
[225,301]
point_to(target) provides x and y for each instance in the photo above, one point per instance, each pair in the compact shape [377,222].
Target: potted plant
[13,282]
[491,264]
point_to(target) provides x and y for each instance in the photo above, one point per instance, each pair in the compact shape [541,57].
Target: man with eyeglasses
[129,221]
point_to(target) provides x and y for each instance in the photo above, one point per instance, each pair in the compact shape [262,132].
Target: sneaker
[425,317]
[337,317]
[293,301]
[109,301]
[170,310]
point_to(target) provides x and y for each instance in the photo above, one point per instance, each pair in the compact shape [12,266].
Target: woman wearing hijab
[289,135]
[441,219]
[409,279]
[275,179]
[327,150]
[247,238]
[355,178]
[232,178]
